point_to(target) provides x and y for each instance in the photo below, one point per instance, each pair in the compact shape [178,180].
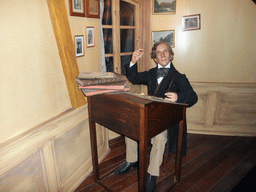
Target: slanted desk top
[139,118]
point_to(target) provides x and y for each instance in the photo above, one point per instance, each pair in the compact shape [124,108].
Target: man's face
[163,55]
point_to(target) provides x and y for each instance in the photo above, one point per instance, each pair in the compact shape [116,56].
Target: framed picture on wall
[164,6]
[93,8]
[77,8]
[167,36]
[79,45]
[90,37]
[191,22]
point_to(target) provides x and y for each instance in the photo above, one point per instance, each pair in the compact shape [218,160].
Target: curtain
[103,64]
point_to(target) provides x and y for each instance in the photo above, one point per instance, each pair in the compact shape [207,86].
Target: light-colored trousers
[156,154]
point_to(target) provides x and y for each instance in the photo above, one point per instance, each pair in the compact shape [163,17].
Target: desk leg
[179,150]
[93,138]
[142,164]
[94,150]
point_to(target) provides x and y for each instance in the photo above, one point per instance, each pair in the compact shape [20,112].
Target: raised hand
[136,55]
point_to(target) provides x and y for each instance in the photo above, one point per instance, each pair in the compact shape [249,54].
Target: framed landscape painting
[167,36]
[164,6]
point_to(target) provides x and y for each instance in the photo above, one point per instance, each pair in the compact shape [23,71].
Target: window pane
[124,60]
[127,12]
[127,40]
[109,64]
[108,40]
[107,14]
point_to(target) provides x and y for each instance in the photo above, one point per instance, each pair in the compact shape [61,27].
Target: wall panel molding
[61,146]
[223,109]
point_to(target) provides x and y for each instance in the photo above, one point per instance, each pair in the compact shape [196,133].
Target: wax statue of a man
[166,82]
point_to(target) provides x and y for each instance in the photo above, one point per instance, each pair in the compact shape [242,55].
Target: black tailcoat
[180,85]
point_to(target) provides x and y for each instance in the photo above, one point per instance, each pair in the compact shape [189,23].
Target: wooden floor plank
[93,187]
[248,182]
[223,168]
[207,166]
[233,177]
[194,159]
[213,163]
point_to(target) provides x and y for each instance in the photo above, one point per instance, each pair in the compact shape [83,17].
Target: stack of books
[92,83]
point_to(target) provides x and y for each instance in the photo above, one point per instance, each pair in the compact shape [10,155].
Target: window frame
[116,27]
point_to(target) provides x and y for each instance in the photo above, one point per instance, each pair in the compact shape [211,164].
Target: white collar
[167,66]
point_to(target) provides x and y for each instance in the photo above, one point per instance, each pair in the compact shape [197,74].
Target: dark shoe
[125,167]
[151,183]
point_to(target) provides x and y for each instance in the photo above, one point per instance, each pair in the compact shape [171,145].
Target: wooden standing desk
[137,118]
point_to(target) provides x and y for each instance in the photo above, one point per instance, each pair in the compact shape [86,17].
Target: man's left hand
[171,96]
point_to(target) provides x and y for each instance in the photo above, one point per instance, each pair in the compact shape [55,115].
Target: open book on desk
[153,98]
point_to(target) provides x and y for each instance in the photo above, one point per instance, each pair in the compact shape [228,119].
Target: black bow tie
[162,72]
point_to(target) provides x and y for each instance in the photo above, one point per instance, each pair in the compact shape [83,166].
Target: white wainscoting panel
[54,156]
[224,109]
